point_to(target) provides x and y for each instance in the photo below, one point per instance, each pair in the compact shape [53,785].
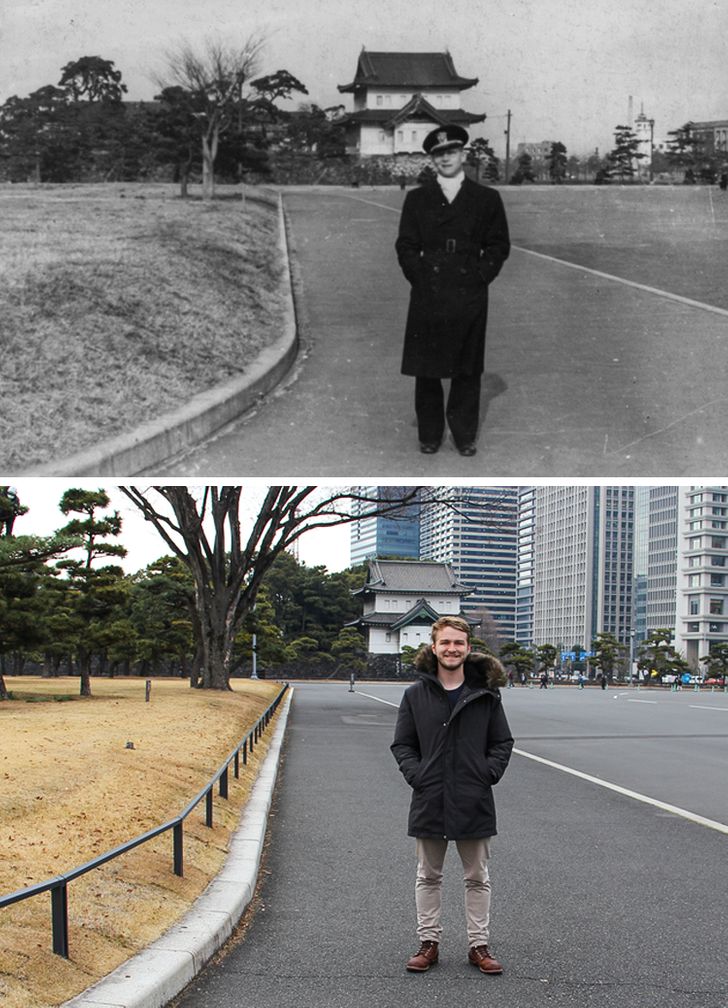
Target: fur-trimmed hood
[481,670]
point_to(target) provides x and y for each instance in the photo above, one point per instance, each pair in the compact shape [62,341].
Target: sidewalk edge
[157,440]
[158,973]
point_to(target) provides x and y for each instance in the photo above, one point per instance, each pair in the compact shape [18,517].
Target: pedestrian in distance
[453,239]
[544,680]
[453,744]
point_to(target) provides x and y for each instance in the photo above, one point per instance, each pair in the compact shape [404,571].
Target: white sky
[42,495]
[565,68]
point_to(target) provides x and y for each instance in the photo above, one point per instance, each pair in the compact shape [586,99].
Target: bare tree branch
[206,535]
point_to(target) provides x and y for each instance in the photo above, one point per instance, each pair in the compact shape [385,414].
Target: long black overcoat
[449,252]
[452,760]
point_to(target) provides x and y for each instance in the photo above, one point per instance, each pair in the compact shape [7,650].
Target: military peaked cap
[444,138]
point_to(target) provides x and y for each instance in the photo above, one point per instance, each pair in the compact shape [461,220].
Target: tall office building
[662,554]
[396,535]
[582,570]
[641,555]
[701,618]
[524,582]
[475,530]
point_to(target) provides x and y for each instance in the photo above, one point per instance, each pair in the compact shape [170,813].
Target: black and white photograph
[232,237]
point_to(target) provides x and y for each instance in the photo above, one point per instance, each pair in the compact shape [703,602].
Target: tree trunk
[184,179]
[209,153]
[217,646]
[196,669]
[84,668]
[208,172]
[4,695]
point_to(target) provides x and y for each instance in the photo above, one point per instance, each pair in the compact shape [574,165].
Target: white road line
[372,697]
[683,813]
[689,302]
[631,700]
[705,707]
[382,206]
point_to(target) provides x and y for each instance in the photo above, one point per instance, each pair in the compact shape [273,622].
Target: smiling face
[450,648]
[448,162]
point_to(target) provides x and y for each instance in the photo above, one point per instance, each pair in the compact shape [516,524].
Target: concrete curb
[158,973]
[158,440]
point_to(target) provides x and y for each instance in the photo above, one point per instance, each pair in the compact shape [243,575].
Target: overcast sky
[42,496]
[565,68]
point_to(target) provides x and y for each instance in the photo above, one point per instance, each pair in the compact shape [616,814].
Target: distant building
[401,599]
[539,151]
[662,555]
[582,572]
[701,620]
[394,535]
[639,566]
[476,530]
[399,97]
[713,136]
[643,129]
[524,586]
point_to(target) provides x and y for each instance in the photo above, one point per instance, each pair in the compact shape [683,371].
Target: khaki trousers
[474,856]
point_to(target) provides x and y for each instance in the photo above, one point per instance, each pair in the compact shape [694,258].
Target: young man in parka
[453,239]
[452,743]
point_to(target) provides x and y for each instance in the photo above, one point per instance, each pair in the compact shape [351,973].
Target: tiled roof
[422,577]
[393,117]
[420,612]
[410,70]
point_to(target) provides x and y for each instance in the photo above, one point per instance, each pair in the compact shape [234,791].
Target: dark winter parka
[449,252]
[452,761]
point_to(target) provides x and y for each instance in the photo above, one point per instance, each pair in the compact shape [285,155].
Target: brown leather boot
[425,957]
[480,956]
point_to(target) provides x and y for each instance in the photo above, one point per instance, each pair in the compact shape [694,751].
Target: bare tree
[215,76]
[204,530]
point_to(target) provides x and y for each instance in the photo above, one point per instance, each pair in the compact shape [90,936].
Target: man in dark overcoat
[453,239]
[453,744]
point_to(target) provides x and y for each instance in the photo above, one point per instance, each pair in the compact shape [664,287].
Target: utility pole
[508,144]
[652,146]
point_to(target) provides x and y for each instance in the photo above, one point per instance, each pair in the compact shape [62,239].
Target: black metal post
[245,753]
[236,764]
[59,919]
[224,783]
[177,835]
[208,807]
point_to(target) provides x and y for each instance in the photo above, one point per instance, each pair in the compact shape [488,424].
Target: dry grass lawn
[120,301]
[71,790]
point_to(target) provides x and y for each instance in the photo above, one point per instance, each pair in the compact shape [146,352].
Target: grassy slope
[72,790]
[121,301]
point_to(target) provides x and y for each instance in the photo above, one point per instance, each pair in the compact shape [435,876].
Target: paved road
[586,376]
[599,899]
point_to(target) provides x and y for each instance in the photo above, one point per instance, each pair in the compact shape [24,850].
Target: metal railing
[58,886]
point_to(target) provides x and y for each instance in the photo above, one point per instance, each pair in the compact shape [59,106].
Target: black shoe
[429,447]
[467,449]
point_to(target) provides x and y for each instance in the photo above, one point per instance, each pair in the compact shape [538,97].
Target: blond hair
[456,622]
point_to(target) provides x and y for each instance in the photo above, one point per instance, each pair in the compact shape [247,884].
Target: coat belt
[453,246]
